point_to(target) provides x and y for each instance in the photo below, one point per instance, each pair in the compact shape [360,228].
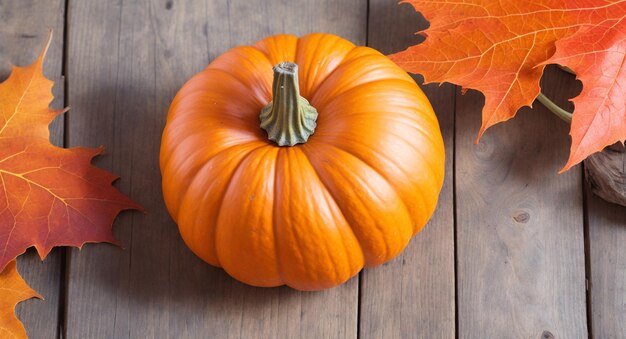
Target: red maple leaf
[49,196]
[501,48]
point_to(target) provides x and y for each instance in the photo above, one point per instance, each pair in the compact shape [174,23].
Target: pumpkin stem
[289,119]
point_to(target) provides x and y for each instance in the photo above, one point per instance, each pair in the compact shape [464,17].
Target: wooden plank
[607,262]
[520,233]
[126,61]
[25,26]
[413,295]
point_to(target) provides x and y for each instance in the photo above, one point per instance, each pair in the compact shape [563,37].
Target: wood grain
[413,295]
[25,26]
[607,262]
[126,61]
[520,232]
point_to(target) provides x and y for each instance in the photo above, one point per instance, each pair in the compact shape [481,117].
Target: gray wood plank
[520,232]
[25,26]
[126,61]
[607,262]
[412,296]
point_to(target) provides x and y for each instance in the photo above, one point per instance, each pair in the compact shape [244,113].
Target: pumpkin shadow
[179,286]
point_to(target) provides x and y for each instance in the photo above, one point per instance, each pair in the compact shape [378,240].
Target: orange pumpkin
[304,175]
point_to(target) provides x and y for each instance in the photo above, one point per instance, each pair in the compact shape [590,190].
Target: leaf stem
[554,108]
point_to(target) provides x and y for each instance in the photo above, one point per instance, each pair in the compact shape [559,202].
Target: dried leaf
[49,196]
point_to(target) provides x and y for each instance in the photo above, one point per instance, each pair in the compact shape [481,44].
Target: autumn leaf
[13,289]
[49,196]
[501,48]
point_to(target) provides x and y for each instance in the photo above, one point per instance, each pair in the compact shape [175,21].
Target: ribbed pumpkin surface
[311,215]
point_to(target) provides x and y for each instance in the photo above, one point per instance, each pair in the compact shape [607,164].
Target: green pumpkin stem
[289,119]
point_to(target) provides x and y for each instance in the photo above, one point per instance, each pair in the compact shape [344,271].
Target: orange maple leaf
[49,196]
[13,289]
[501,48]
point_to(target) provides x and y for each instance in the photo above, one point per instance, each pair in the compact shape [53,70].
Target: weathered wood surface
[21,40]
[412,296]
[607,263]
[503,257]
[520,233]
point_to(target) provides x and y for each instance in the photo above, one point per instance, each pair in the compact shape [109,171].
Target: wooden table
[513,251]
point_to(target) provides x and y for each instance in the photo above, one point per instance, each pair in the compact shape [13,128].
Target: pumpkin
[299,161]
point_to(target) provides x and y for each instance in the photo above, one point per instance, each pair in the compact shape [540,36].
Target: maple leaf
[49,196]
[501,48]
[13,289]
